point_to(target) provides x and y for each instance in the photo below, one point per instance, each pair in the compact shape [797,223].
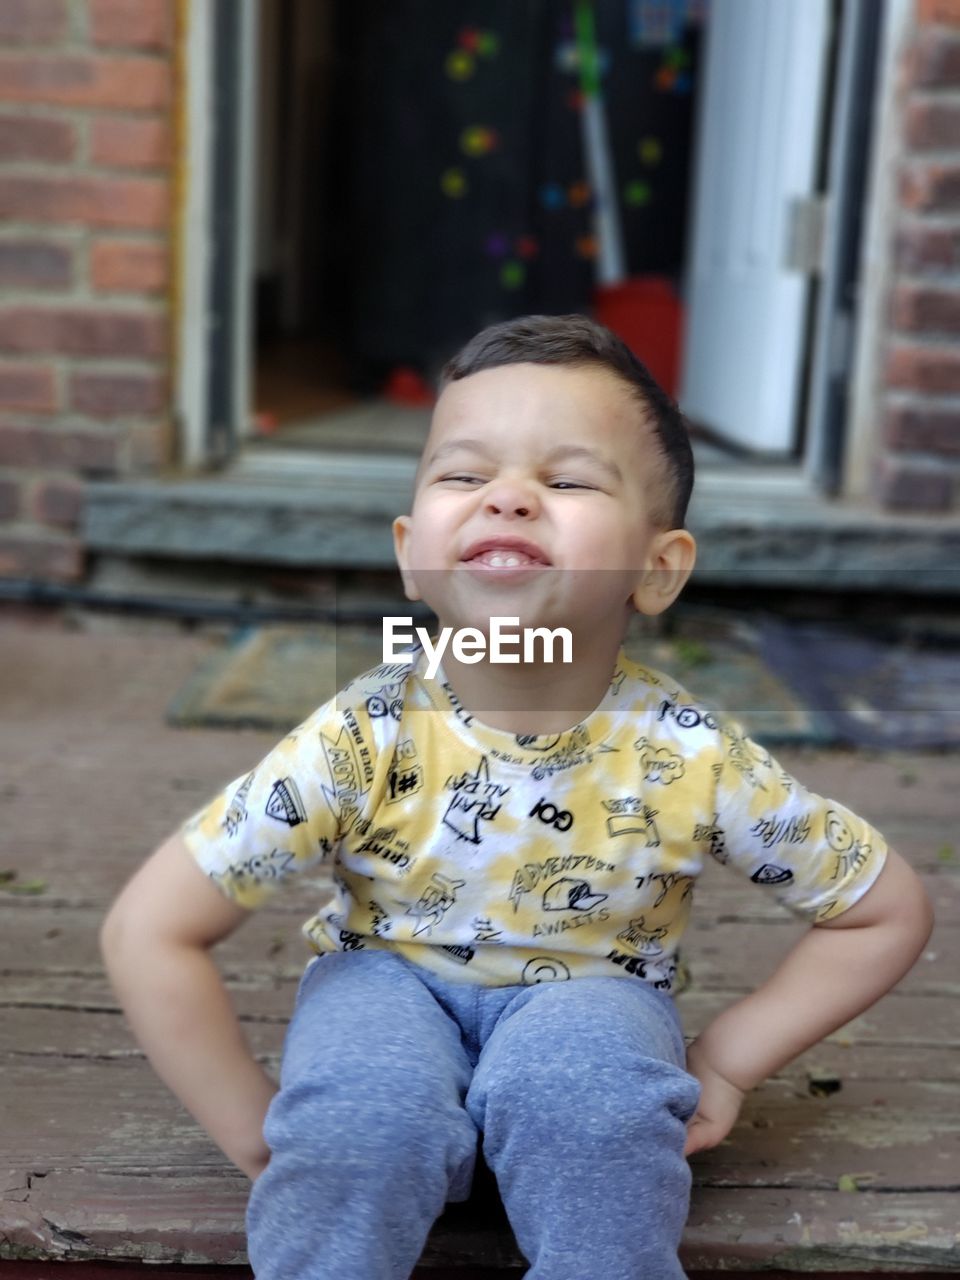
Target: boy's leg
[368,1134]
[583,1095]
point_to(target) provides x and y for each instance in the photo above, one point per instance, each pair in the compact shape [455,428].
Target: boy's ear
[669,565]
[401,544]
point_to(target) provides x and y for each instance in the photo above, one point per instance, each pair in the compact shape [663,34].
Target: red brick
[921,248]
[933,126]
[129,265]
[905,487]
[127,203]
[35,264]
[932,188]
[29,555]
[935,60]
[82,331]
[131,144]
[29,388]
[932,370]
[32,21]
[135,24]
[926,310]
[86,451]
[58,501]
[116,395]
[945,12]
[137,84]
[9,498]
[28,138]
[923,429]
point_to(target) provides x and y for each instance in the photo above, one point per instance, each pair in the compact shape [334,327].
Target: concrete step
[759,526]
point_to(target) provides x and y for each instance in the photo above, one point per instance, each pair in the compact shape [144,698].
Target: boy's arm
[155,943]
[836,971]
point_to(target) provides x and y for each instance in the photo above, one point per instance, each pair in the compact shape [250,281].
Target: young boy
[514,847]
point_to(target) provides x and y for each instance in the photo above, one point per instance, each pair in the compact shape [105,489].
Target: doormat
[889,692]
[273,677]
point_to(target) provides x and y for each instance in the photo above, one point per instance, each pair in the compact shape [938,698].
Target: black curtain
[457,181]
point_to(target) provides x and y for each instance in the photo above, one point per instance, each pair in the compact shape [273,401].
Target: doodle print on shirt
[484,931]
[670,880]
[774,830]
[544,969]
[405,776]
[641,940]
[388,699]
[527,877]
[713,834]
[741,759]
[380,921]
[576,750]
[363,751]
[284,803]
[236,814]
[435,901]
[770,874]
[567,894]
[385,843]
[851,855]
[258,868]
[659,764]
[475,799]
[559,819]
[685,717]
[344,798]
[629,816]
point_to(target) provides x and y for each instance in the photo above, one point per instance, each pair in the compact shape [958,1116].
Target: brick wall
[919,465]
[86,138]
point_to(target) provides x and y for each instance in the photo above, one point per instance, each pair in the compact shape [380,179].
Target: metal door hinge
[806,234]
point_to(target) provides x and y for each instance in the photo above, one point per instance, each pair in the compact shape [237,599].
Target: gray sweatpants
[389,1073]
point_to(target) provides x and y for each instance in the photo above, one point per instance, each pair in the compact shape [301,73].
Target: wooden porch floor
[101,1165]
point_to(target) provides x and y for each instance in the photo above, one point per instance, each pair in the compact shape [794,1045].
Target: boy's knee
[356,1123]
[638,1097]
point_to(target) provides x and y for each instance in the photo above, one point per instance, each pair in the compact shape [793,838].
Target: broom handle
[611,265]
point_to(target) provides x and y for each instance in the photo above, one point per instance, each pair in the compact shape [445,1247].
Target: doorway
[409,191]
[414,190]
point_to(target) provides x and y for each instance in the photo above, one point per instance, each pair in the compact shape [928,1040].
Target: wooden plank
[115,1116]
[70,1217]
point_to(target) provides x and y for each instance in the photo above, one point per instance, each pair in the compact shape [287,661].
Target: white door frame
[876,256]
[215,220]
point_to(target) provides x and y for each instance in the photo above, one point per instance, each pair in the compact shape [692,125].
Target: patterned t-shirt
[499,859]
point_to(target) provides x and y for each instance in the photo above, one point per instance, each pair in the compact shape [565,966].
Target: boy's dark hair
[574,341]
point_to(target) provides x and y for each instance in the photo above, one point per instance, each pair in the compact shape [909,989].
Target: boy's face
[537,497]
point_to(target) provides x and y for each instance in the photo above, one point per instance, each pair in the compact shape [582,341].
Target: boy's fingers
[702,1134]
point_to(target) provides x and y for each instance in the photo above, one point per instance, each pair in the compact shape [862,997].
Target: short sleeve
[289,813]
[814,855]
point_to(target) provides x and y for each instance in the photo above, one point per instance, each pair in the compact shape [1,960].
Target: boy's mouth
[504,553]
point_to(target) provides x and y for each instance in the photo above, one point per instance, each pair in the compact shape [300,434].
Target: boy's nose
[511,499]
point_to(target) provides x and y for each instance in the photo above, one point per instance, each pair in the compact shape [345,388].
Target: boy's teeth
[503,559]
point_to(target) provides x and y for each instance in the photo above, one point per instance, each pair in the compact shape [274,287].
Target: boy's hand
[718,1108]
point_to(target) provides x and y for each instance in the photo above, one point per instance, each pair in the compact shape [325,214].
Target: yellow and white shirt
[499,859]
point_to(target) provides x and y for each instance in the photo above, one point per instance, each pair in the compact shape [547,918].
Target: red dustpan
[644,311]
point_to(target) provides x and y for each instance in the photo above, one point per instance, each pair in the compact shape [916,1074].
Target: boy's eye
[568,484]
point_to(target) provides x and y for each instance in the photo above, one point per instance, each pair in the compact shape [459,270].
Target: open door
[759,139]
